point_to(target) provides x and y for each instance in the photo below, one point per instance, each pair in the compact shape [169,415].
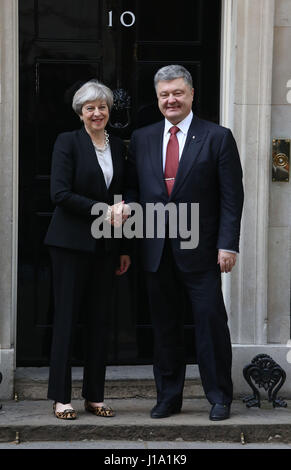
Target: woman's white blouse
[105,161]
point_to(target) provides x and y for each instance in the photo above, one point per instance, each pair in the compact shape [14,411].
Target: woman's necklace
[106,143]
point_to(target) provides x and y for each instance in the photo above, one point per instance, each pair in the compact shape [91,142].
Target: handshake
[117,214]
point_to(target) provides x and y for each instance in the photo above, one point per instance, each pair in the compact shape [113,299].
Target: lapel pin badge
[194,137]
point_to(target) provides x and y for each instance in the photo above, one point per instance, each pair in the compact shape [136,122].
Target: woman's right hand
[119,213]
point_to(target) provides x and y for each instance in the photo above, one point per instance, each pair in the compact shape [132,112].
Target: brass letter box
[281,160]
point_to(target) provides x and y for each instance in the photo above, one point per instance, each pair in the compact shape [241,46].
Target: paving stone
[34,421]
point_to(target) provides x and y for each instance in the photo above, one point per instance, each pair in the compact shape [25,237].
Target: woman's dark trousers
[82,284]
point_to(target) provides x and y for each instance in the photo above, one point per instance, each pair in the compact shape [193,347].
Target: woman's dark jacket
[77,183]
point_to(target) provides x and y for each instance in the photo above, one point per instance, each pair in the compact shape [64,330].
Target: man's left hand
[226,260]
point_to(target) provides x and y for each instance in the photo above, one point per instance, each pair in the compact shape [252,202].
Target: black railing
[267,374]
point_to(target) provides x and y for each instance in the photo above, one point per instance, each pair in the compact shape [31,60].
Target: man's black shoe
[163,410]
[219,412]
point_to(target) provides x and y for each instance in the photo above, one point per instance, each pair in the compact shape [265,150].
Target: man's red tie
[172,159]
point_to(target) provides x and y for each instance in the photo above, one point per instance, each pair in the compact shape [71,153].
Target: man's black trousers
[213,346]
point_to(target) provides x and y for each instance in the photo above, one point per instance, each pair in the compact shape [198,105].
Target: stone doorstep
[121,382]
[34,421]
[27,390]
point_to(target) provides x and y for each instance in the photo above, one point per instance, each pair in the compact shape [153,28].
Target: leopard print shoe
[104,411]
[66,414]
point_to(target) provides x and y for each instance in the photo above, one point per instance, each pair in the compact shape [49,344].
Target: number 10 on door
[127,19]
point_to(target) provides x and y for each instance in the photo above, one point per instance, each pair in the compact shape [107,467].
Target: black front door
[123,43]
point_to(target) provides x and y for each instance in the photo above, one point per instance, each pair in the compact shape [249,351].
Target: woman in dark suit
[87,167]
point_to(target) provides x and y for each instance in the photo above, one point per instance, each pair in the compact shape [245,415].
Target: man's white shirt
[181,136]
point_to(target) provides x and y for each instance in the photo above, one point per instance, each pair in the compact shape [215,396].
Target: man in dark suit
[184,160]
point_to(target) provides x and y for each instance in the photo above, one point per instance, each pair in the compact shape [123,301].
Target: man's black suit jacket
[77,183]
[209,173]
